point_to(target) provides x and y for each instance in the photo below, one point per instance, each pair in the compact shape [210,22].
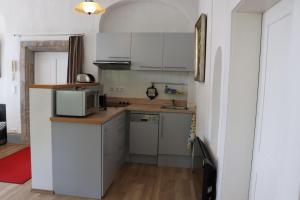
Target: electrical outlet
[116,89]
[119,89]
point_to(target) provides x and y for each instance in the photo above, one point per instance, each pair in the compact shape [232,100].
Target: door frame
[28,48]
[278,12]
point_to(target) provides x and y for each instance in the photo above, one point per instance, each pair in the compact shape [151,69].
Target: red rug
[16,168]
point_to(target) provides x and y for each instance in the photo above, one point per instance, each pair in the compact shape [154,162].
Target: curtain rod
[48,34]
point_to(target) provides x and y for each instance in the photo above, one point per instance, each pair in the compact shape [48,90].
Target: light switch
[14,89]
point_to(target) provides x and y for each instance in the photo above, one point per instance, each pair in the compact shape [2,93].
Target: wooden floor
[135,182]
[146,182]
[8,149]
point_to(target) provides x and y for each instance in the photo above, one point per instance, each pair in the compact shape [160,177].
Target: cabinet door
[179,51]
[76,153]
[174,132]
[113,46]
[120,137]
[107,156]
[147,51]
[113,147]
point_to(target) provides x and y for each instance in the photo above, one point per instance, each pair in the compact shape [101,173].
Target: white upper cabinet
[113,46]
[179,51]
[147,51]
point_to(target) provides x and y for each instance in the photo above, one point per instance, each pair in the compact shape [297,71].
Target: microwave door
[91,102]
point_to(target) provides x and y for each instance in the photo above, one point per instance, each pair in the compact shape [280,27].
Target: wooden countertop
[64,86]
[156,108]
[99,118]
[103,116]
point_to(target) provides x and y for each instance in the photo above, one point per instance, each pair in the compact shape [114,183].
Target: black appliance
[113,64]
[103,102]
[205,173]
[3,129]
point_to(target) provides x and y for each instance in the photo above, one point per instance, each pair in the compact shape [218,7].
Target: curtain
[75,57]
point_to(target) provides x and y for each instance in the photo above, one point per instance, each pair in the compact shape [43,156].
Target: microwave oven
[77,103]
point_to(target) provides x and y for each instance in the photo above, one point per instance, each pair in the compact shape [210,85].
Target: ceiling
[255,6]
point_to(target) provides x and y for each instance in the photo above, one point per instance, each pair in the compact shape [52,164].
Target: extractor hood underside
[113,65]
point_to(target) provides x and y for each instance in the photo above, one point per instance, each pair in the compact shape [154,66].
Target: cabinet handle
[175,67]
[119,57]
[161,126]
[151,67]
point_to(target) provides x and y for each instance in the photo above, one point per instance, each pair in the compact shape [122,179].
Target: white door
[50,67]
[272,111]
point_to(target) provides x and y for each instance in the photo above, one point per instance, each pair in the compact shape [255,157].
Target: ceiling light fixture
[89,7]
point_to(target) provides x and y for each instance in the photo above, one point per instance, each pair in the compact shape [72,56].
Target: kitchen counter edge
[104,116]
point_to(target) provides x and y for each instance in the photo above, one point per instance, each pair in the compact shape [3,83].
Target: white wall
[56,16]
[2,31]
[145,16]
[203,89]
[219,34]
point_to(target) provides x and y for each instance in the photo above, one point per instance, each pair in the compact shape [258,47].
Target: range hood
[113,64]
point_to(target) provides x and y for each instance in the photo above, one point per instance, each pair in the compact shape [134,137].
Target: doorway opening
[27,74]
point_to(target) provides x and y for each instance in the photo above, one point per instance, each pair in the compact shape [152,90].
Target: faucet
[173,103]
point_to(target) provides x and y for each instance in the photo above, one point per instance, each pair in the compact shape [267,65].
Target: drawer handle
[175,67]
[119,57]
[150,67]
[161,126]
[144,120]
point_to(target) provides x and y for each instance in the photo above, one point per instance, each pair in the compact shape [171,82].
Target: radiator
[3,127]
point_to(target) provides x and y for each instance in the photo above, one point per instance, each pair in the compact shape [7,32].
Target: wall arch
[138,16]
[216,100]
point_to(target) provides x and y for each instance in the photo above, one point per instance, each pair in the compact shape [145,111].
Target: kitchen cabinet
[113,46]
[174,133]
[113,149]
[179,52]
[147,51]
[154,138]
[77,159]
[87,157]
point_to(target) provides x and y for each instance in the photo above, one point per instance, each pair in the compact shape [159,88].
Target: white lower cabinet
[174,133]
[173,140]
[87,157]
[167,146]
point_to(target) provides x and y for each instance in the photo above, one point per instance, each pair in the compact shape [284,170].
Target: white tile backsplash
[135,83]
